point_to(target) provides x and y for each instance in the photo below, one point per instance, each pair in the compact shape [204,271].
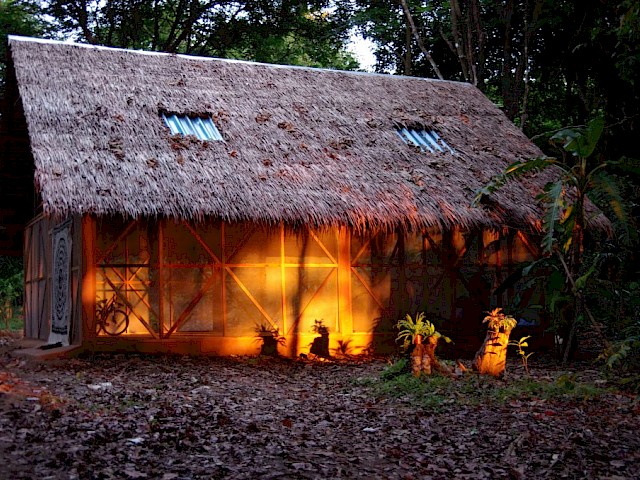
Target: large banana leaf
[580,141]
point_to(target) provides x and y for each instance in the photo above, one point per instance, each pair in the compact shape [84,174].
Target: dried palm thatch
[303,146]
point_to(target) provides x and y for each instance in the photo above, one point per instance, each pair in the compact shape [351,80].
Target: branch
[83,22]
[416,35]
[457,38]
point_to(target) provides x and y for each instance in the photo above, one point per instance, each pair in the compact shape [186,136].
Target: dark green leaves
[606,192]
[580,141]
[514,171]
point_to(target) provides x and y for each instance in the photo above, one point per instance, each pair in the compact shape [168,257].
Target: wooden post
[160,263]
[88,278]
[344,282]
[283,286]
[223,277]
[76,326]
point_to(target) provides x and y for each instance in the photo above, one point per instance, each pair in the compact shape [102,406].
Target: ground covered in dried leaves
[166,418]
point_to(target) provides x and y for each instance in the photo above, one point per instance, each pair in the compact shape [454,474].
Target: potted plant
[491,359]
[423,335]
[497,321]
[270,337]
[417,330]
[320,345]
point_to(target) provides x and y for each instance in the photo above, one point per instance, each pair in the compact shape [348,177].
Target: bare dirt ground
[119,417]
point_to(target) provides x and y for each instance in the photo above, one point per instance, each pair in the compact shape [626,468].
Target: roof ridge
[20,38]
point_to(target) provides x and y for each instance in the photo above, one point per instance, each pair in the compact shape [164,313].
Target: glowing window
[426,140]
[202,128]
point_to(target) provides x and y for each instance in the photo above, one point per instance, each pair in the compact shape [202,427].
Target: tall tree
[18,17]
[286,31]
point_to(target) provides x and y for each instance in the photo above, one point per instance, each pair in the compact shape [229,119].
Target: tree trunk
[407,60]
[577,239]
[418,38]
[491,359]
[423,359]
[420,360]
[570,332]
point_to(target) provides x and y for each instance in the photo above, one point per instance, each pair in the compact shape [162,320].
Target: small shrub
[11,291]
[524,356]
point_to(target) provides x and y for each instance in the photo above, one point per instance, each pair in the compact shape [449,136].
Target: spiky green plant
[409,328]
[497,320]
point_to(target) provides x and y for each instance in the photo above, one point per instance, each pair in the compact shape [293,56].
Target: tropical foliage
[524,356]
[291,32]
[11,290]
[577,177]
[411,327]
[497,320]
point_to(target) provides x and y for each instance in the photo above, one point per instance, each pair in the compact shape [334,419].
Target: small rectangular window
[426,140]
[202,128]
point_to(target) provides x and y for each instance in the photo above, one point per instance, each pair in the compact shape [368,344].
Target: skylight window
[202,128]
[426,140]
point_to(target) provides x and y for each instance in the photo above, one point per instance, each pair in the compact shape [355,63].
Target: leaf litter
[137,417]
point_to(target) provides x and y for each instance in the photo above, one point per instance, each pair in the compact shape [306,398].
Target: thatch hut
[295,195]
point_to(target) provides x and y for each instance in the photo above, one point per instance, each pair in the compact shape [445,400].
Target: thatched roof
[303,146]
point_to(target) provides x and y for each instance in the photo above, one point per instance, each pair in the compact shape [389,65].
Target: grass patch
[427,393]
[564,387]
[437,392]
[15,323]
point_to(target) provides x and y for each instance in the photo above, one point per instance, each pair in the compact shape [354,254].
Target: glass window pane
[427,140]
[203,128]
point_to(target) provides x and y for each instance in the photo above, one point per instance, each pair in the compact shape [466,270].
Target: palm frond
[606,191]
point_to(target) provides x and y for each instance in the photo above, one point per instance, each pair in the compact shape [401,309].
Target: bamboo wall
[214,283]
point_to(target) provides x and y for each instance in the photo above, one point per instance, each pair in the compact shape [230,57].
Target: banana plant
[564,199]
